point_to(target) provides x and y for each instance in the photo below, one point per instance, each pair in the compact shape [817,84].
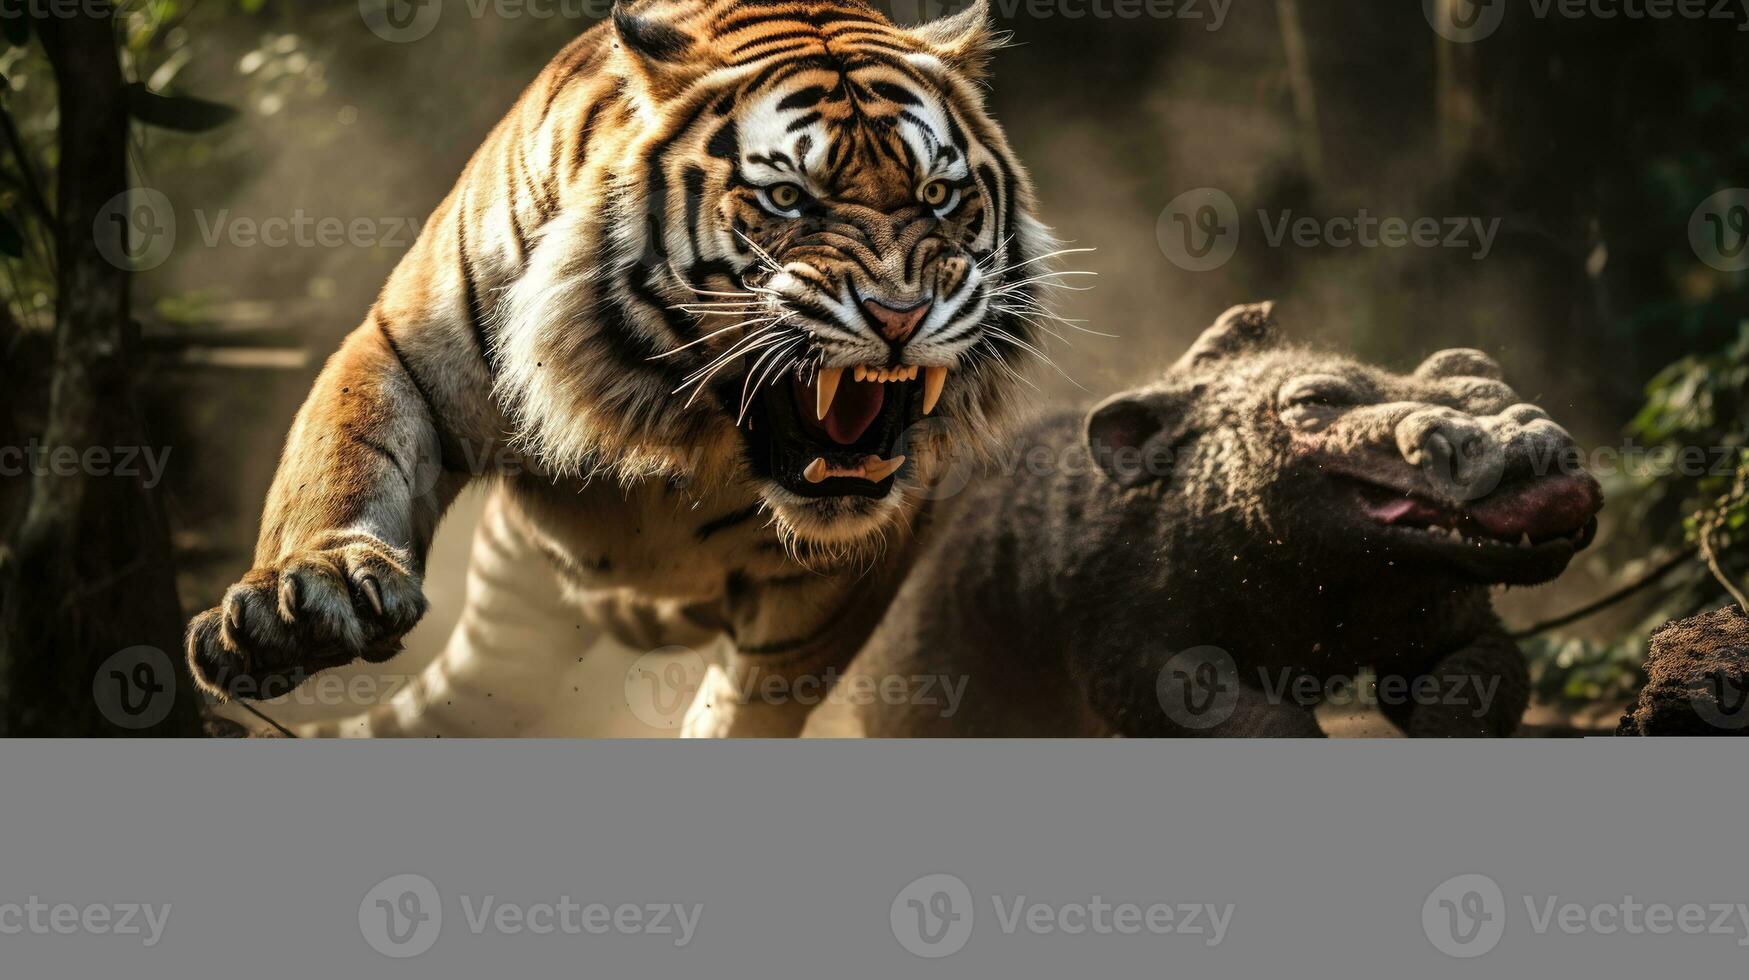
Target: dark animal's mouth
[834,432]
[1549,516]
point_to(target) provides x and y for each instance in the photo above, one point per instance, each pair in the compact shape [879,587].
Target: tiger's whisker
[756,321]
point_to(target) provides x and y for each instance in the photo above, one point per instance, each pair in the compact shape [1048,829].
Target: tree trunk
[90,627]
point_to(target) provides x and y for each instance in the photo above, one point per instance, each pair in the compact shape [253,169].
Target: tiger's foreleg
[511,662]
[352,510]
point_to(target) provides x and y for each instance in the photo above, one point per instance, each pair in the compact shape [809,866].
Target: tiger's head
[838,241]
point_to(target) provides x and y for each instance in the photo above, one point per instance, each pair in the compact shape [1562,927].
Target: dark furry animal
[1698,679]
[1205,555]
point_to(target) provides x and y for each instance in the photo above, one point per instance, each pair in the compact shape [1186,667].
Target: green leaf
[182,113]
[11,239]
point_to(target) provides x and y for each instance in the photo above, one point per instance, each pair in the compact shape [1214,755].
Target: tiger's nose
[897,325]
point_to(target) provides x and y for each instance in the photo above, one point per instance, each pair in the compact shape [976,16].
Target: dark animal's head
[1443,470]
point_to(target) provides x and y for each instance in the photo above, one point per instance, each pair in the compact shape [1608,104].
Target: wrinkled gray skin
[1266,500]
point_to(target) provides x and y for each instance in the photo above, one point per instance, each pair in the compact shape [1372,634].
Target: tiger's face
[856,229]
[797,255]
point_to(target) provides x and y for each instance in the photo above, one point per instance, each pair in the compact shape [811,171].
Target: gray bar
[1108,859]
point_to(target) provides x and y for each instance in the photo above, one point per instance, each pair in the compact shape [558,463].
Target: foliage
[1688,485]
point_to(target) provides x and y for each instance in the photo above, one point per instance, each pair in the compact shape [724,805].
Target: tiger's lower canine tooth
[826,388]
[815,472]
[933,379]
[876,472]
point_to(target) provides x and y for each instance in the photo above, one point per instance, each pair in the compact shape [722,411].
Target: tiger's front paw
[317,609]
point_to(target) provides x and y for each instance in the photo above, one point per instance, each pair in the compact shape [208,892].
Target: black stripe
[540,200]
[476,320]
[727,521]
[386,453]
[782,52]
[587,136]
[512,192]
[445,451]
[895,93]
[805,98]
[777,38]
[693,182]
[816,19]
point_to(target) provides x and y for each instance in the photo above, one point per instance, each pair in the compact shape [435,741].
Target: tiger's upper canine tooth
[933,379]
[816,471]
[876,472]
[826,388]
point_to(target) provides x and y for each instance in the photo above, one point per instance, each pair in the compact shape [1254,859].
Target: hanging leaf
[182,113]
[11,240]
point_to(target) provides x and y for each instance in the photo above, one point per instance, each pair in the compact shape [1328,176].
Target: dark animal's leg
[1194,703]
[1255,715]
[1480,691]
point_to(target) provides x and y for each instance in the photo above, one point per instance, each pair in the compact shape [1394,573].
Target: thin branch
[1656,574]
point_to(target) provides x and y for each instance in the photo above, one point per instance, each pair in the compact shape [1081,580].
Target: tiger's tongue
[854,409]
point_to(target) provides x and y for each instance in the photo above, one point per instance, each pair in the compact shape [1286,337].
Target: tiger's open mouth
[834,432]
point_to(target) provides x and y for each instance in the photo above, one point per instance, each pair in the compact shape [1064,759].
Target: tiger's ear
[661,55]
[964,41]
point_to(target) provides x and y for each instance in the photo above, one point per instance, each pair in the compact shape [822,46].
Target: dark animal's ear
[964,41]
[662,56]
[1243,328]
[1134,436]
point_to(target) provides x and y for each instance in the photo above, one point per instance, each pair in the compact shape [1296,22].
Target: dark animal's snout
[1517,473]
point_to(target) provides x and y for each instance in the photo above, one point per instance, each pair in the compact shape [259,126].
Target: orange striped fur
[610,311]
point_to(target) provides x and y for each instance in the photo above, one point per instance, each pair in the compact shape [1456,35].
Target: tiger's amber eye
[785,196]
[935,193]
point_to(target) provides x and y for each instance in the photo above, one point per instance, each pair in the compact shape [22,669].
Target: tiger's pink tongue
[854,409]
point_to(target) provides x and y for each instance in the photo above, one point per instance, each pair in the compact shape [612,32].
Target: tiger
[705,313]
